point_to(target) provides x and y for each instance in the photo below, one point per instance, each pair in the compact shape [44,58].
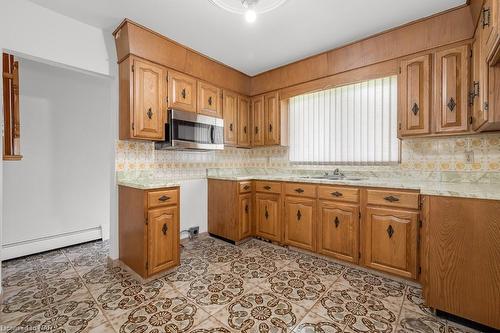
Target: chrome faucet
[337,172]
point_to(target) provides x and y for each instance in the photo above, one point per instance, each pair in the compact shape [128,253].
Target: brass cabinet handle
[337,221]
[210,101]
[486,17]
[150,113]
[336,194]
[164,198]
[451,104]
[299,190]
[256,129]
[391,198]
[246,209]
[267,187]
[245,130]
[299,215]
[270,127]
[231,127]
[183,93]
[246,187]
[164,229]
[390,231]
[415,109]
[266,214]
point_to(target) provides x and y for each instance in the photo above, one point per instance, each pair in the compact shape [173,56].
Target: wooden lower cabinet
[229,209]
[338,230]
[461,257]
[149,229]
[391,241]
[300,222]
[163,242]
[267,216]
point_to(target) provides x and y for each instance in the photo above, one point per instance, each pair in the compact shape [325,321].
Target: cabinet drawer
[393,198]
[338,193]
[162,198]
[300,190]
[267,187]
[245,187]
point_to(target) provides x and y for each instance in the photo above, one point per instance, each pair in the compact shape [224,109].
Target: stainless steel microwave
[189,130]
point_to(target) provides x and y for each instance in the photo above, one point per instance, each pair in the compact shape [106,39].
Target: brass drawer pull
[183,93]
[164,198]
[164,229]
[391,198]
[210,101]
[337,221]
[267,187]
[150,113]
[336,194]
[299,215]
[246,187]
[390,231]
[299,190]
[415,109]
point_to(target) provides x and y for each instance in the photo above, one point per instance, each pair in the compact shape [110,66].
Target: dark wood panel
[222,208]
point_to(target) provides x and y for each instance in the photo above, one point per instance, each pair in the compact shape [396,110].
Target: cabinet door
[243,122]
[338,233]
[149,101]
[299,223]
[209,101]
[451,77]
[181,92]
[391,241]
[230,112]
[272,119]
[258,121]
[268,216]
[245,219]
[415,96]
[479,89]
[163,239]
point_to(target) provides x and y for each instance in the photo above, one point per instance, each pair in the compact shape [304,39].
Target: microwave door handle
[212,134]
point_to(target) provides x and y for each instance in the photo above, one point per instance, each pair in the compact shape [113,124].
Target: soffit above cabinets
[297,29]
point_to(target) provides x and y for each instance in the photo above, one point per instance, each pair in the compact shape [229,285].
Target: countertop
[489,191]
[462,190]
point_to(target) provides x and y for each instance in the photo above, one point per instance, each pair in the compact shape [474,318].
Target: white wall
[34,31]
[60,192]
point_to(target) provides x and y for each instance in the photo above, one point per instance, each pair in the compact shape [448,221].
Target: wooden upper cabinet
[451,77]
[243,122]
[415,84]
[479,86]
[300,222]
[148,100]
[391,241]
[181,92]
[258,121]
[209,100]
[338,230]
[230,101]
[267,216]
[163,239]
[271,119]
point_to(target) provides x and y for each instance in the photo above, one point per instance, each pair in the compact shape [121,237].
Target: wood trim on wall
[132,38]
[438,30]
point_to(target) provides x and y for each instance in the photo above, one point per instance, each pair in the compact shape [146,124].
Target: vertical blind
[355,123]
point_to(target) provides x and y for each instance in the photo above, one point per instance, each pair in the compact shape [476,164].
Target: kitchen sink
[331,177]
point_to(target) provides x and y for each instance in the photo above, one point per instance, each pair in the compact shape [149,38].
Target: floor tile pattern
[218,288]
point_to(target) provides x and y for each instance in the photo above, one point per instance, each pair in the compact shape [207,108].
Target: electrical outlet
[193,232]
[469,156]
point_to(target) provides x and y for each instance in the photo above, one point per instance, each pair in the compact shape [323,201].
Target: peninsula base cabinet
[461,257]
[230,209]
[149,229]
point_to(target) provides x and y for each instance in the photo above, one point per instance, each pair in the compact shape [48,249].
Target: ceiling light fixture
[249,8]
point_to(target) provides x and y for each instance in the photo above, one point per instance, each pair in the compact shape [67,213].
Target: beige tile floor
[254,287]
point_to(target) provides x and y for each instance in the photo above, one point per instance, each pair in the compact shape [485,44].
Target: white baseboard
[24,248]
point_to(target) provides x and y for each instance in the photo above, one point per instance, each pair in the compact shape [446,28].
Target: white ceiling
[298,29]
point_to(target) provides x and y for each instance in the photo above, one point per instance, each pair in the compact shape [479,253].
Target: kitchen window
[355,123]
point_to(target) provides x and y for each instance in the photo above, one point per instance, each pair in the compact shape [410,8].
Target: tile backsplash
[462,154]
